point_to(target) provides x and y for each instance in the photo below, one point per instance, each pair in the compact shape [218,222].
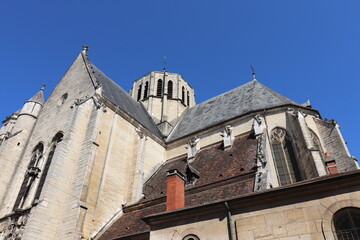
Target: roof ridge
[89,68]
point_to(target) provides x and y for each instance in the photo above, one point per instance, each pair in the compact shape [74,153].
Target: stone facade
[85,159]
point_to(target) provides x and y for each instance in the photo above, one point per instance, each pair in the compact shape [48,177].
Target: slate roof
[252,96]
[38,97]
[118,96]
[223,175]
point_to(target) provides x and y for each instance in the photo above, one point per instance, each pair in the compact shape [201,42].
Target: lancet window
[170,90]
[139,92]
[284,157]
[183,95]
[188,98]
[146,89]
[31,174]
[55,142]
[159,88]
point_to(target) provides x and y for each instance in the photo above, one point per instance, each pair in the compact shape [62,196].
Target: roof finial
[85,48]
[42,87]
[308,100]
[253,72]
[164,64]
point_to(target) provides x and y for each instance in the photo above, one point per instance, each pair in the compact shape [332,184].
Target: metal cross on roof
[253,72]
[164,64]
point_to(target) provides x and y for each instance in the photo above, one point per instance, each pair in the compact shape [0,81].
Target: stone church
[96,162]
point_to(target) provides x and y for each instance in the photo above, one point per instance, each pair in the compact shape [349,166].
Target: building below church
[96,162]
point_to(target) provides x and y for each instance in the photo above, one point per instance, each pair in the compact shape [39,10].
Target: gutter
[229,221]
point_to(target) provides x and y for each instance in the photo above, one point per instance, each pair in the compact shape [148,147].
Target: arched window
[347,223]
[139,92]
[285,161]
[159,88]
[188,98]
[170,90]
[55,141]
[30,175]
[183,95]
[191,237]
[146,90]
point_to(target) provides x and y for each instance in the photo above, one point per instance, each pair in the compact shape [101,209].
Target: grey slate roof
[38,97]
[249,97]
[118,96]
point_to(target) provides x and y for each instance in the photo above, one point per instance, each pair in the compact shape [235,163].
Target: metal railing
[348,234]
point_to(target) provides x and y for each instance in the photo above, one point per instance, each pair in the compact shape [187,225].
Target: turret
[30,111]
[165,96]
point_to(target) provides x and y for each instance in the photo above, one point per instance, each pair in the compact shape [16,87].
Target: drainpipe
[229,221]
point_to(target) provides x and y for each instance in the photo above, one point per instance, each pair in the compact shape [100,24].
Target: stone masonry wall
[335,145]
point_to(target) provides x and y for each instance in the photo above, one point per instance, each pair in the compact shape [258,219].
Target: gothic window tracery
[56,140]
[31,174]
[159,88]
[284,157]
[170,90]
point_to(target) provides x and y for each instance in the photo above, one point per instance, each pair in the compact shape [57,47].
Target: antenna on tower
[165,64]
[253,72]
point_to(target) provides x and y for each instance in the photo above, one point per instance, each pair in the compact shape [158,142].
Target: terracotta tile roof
[212,163]
[223,174]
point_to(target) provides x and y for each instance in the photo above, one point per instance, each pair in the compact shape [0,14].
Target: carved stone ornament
[261,178]
[228,135]
[12,228]
[193,147]
[258,125]
[278,135]
[292,111]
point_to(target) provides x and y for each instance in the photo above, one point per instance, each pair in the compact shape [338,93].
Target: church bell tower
[165,96]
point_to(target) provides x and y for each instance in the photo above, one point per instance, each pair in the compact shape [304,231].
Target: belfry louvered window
[146,89]
[159,88]
[188,98]
[183,95]
[30,177]
[284,157]
[139,92]
[170,90]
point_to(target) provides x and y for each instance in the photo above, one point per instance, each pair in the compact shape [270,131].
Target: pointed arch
[31,174]
[183,95]
[159,88]
[170,90]
[139,92]
[54,143]
[284,157]
[146,89]
[188,98]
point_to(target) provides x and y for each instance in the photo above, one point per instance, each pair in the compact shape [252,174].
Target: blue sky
[298,48]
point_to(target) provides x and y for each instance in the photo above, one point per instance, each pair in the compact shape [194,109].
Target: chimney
[175,190]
